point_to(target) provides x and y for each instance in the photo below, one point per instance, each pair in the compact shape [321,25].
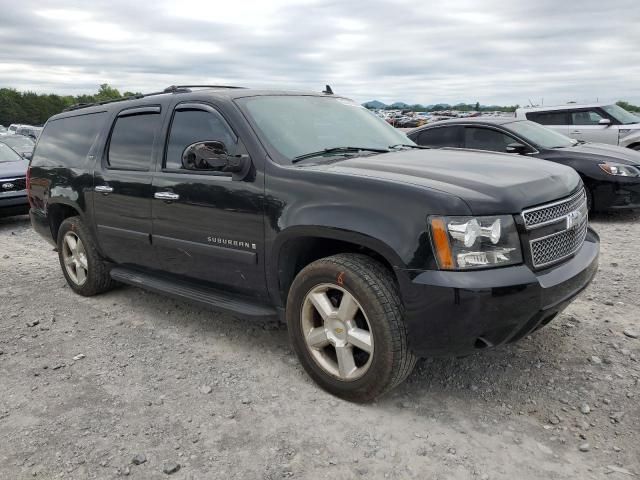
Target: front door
[122,188]
[208,227]
[585,126]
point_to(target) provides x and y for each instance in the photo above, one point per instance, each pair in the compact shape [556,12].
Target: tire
[84,258]
[372,318]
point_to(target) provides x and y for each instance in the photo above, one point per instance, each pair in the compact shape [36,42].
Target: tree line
[34,109]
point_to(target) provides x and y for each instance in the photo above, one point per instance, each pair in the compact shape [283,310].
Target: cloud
[492,51]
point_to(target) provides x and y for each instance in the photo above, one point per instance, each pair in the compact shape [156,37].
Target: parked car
[610,174]
[14,127]
[376,251]
[13,193]
[21,144]
[599,122]
[31,132]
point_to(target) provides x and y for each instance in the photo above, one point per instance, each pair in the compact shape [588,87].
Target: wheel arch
[57,213]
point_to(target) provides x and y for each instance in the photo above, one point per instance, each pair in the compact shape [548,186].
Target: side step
[214,299]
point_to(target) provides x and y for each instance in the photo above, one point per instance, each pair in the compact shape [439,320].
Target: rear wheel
[85,271]
[345,323]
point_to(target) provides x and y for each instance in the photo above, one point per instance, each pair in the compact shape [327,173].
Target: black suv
[309,207]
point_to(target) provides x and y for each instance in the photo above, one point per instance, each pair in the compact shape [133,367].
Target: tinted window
[132,140]
[441,137]
[486,139]
[191,126]
[67,141]
[586,117]
[549,118]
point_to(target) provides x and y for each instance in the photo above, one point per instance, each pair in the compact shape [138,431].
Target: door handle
[576,132]
[104,189]
[166,196]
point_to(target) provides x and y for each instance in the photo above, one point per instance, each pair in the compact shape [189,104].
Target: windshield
[18,141]
[298,125]
[620,114]
[8,155]
[541,136]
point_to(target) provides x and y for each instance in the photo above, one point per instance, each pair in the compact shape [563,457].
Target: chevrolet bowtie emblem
[573,218]
[339,331]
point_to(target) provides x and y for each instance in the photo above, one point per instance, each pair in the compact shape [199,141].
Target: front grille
[557,230]
[558,246]
[12,184]
[552,212]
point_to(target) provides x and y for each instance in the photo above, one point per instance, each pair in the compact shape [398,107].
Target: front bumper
[457,313]
[14,205]
[620,195]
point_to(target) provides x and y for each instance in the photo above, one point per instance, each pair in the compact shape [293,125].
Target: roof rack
[171,89]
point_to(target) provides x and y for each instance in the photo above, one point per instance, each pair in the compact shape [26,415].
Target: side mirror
[604,121]
[212,156]
[516,147]
[27,155]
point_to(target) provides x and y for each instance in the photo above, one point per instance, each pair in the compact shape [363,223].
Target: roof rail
[171,89]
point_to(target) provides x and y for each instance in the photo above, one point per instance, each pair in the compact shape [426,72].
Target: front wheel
[345,323]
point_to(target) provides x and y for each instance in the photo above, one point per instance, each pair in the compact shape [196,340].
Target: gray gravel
[92,386]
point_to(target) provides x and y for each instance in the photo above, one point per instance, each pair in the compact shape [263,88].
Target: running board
[214,299]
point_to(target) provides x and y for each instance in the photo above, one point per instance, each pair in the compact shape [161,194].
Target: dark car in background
[13,193]
[22,145]
[611,174]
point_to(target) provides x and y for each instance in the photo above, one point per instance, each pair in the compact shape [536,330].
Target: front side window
[549,118]
[295,125]
[585,117]
[486,139]
[132,139]
[191,126]
[441,137]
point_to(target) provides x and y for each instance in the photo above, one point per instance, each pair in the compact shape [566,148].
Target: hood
[602,152]
[489,183]
[13,169]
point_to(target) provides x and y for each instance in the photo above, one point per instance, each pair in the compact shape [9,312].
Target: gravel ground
[134,384]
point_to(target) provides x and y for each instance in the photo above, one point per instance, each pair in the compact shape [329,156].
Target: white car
[598,123]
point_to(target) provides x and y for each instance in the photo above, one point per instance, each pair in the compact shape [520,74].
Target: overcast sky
[490,51]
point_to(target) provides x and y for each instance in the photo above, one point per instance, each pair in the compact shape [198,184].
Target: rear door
[585,126]
[557,120]
[208,227]
[122,187]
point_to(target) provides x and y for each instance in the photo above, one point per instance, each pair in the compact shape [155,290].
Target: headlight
[462,243]
[623,132]
[620,170]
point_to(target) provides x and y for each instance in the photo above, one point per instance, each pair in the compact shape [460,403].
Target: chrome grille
[558,246]
[12,184]
[553,212]
[571,215]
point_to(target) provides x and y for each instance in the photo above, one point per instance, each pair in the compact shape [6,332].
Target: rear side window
[191,126]
[441,137]
[67,141]
[486,139]
[132,140]
[549,118]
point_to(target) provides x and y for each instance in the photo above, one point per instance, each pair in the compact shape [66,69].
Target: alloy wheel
[74,257]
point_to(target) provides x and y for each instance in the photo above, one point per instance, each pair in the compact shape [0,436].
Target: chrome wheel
[337,332]
[74,257]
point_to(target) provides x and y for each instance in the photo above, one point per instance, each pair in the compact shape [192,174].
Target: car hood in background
[602,152]
[14,169]
[489,183]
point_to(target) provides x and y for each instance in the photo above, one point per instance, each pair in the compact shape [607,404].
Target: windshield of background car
[18,141]
[8,155]
[296,125]
[541,136]
[620,114]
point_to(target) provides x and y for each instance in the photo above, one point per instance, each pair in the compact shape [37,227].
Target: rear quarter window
[67,141]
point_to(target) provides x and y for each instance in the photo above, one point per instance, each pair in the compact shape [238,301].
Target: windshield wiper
[408,145]
[326,151]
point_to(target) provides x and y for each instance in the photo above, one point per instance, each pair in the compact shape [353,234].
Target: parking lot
[91,384]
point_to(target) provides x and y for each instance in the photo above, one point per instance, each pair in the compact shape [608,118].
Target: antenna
[327,90]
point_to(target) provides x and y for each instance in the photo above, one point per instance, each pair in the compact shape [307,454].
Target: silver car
[597,123]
